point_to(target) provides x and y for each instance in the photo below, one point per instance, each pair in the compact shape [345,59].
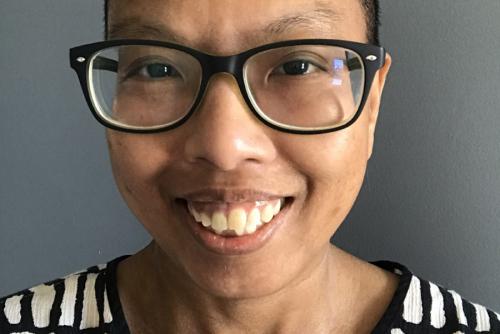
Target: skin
[298,282]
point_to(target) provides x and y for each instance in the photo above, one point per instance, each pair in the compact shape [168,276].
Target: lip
[230,244]
[224,195]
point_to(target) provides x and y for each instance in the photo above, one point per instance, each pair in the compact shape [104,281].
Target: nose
[223,131]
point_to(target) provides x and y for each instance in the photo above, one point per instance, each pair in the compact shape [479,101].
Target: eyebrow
[318,18]
[132,26]
[311,19]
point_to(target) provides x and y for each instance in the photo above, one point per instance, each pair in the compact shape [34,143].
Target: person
[239,135]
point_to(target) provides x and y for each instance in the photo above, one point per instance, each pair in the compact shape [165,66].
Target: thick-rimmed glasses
[305,86]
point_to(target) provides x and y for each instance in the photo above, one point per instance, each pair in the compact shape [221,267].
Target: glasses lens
[143,87]
[306,86]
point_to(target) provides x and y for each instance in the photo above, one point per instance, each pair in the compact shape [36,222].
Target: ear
[373,103]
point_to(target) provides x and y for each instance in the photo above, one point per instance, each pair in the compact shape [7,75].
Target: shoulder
[430,304]
[76,301]
[422,306]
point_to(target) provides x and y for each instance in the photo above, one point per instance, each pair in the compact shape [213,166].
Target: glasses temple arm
[106,64]
[353,63]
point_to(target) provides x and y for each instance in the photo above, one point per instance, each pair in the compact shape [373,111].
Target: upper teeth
[238,219]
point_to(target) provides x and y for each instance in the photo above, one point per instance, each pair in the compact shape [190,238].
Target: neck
[314,302]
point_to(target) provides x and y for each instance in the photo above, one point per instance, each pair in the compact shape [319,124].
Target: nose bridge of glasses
[222,76]
[222,64]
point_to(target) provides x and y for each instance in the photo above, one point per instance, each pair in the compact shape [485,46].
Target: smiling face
[225,164]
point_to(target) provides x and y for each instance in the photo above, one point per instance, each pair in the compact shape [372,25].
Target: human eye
[297,67]
[151,70]
[300,66]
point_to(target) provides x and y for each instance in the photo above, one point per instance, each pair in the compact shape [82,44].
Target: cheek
[341,175]
[329,158]
[137,164]
[333,166]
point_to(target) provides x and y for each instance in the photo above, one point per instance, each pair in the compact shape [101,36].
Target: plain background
[430,200]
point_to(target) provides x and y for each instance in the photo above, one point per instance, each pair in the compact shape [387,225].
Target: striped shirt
[88,302]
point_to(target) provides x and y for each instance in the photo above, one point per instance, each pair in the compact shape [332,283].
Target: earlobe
[374,101]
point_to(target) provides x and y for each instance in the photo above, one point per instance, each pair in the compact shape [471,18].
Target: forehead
[226,26]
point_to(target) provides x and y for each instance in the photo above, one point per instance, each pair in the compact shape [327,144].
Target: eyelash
[141,65]
[308,62]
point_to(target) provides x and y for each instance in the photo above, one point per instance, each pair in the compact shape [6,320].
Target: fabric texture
[88,302]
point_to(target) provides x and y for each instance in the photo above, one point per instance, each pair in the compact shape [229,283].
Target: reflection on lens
[139,86]
[306,86]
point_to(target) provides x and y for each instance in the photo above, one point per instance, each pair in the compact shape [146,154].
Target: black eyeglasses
[306,86]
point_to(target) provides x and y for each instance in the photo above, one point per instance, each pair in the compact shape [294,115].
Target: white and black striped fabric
[88,302]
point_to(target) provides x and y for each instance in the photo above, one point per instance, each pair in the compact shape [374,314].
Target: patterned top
[88,302]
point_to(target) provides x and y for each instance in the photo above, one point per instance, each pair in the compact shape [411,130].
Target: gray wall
[431,198]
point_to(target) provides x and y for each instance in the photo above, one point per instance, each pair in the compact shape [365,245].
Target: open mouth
[236,219]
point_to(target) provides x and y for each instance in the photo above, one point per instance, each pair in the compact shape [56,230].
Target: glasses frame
[81,57]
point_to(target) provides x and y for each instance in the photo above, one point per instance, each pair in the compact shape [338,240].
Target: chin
[240,278]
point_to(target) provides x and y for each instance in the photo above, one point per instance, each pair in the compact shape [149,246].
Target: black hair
[370,7]
[372,17]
